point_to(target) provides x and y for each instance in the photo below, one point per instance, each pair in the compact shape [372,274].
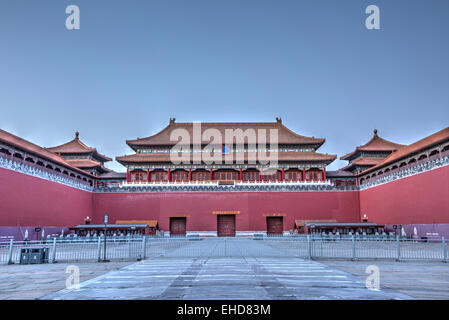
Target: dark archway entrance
[178,226]
[226,225]
[275,225]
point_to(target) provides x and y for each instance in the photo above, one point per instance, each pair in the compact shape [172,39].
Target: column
[169,175]
[148,175]
[283,175]
[211,173]
[303,174]
[127,175]
[324,174]
[190,174]
[241,174]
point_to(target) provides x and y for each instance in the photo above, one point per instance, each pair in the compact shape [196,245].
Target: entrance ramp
[227,247]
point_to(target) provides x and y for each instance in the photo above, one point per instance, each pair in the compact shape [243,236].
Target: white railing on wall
[43,173]
[406,171]
[226,182]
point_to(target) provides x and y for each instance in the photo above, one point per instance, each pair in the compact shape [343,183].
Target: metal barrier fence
[299,246]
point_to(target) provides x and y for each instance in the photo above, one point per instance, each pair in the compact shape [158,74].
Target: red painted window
[292,176]
[226,175]
[158,176]
[272,177]
[250,176]
[200,176]
[138,176]
[179,176]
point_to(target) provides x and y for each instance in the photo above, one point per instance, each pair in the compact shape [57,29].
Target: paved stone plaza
[227,269]
[226,278]
[421,280]
[37,280]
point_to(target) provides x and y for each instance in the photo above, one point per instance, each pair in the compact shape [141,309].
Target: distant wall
[418,199]
[30,201]
[198,207]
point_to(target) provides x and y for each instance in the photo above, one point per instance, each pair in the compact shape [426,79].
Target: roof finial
[375,132]
[77,135]
[172,120]
[278,119]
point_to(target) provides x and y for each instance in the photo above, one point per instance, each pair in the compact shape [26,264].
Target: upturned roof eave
[133,144]
[151,140]
[82,149]
[414,148]
[128,159]
[39,151]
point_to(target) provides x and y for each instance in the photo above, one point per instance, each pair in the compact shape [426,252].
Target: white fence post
[309,247]
[11,248]
[354,257]
[99,249]
[443,240]
[398,245]
[53,252]
[144,247]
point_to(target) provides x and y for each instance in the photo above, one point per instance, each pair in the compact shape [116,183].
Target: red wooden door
[177,226]
[226,225]
[275,225]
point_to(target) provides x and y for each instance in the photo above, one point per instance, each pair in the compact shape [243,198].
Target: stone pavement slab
[229,269]
[418,279]
[226,278]
[35,281]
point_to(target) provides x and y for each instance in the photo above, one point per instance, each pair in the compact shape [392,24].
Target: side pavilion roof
[375,144]
[77,146]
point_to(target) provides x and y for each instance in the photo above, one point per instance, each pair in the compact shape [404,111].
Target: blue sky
[135,64]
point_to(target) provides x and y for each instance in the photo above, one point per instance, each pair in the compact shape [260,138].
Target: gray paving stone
[216,279]
[204,277]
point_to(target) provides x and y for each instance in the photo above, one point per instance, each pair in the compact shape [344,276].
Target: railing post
[11,247]
[53,252]
[144,247]
[398,245]
[443,240]
[309,247]
[99,249]
[354,257]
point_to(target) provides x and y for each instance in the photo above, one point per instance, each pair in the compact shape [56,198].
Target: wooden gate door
[226,225]
[177,226]
[275,225]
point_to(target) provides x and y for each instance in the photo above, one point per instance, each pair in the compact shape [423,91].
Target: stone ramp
[234,278]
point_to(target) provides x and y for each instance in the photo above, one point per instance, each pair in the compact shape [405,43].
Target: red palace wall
[198,207]
[418,199]
[31,201]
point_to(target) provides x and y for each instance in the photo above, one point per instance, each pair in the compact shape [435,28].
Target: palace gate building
[230,187]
